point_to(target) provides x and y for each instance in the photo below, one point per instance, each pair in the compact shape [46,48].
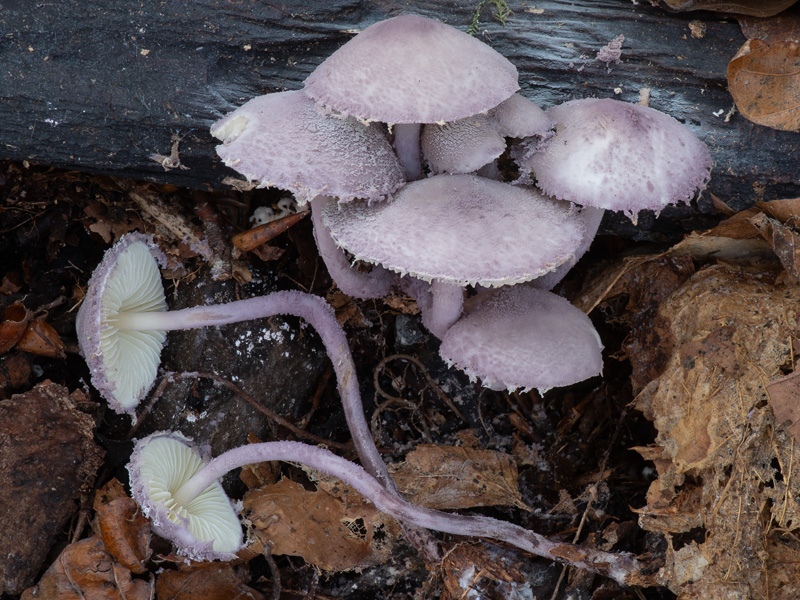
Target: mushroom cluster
[395,140]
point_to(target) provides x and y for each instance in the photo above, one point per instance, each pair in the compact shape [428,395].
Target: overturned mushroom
[179,485]
[122,323]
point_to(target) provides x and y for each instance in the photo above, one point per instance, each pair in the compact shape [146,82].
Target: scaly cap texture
[460,229]
[522,337]
[410,69]
[619,156]
[284,140]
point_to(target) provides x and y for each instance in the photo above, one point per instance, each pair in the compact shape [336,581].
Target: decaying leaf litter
[708,328]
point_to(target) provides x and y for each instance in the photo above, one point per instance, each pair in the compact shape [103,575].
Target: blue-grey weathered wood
[102,86]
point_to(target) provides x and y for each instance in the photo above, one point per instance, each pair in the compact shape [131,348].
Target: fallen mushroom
[410,70]
[459,230]
[122,323]
[172,484]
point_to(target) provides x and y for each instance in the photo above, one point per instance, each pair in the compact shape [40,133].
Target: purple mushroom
[468,144]
[284,140]
[521,337]
[459,230]
[410,70]
[618,156]
[122,322]
[181,495]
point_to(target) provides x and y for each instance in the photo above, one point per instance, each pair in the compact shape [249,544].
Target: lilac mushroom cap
[461,146]
[284,140]
[619,156]
[205,527]
[468,144]
[519,117]
[460,229]
[410,69]
[123,363]
[522,337]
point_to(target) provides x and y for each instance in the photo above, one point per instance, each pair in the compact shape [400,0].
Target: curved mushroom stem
[616,566]
[440,304]
[311,308]
[447,301]
[406,145]
[374,284]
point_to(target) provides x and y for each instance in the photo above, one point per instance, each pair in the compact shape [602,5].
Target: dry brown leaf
[402,304]
[111,490]
[15,321]
[11,283]
[454,477]
[15,372]
[764,81]
[470,571]
[346,308]
[783,398]
[204,581]
[42,340]
[111,222]
[84,571]
[125,533]
[785,242]
[781,28]
[755,8]
[48,458]
[786,210]
[724,469]
[328,532]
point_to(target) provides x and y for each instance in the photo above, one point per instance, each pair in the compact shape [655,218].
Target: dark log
[103,86]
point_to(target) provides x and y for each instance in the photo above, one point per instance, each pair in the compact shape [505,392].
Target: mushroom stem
[616,566]
[440,303]
[311,308]
[447,301]
[374,284]
[407,147]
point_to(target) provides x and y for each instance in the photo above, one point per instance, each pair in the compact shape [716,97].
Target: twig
[276,576]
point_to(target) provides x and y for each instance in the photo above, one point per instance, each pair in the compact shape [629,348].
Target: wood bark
[103,86]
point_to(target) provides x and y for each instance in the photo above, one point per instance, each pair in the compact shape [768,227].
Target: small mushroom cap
[284,140]
[410,69]
[461,146]
[207,528]
[123,364]
[518,117]
[460,229]
[619,156]
[521,337]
